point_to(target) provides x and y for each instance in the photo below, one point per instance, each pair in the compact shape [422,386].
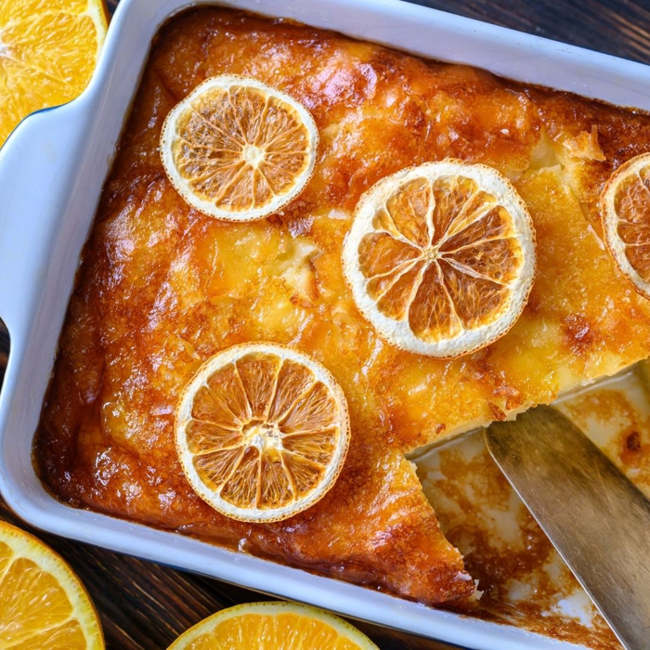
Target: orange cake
[163,287]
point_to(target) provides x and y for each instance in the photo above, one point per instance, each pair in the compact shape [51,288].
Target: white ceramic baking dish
[51,173]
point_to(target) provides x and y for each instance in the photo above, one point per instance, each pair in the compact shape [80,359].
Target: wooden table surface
[146,605]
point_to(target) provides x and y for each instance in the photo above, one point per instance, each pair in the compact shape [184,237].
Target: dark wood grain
[619,27]
[146,605]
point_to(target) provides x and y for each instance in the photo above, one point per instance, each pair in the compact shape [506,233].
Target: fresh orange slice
[42,602]
[237,149]
[441,257]
[262,432]
[272,626]
[48,52]
[625,210]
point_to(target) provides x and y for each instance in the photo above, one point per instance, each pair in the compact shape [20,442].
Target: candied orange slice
[42,602]
[237,149]
[441,257]
[48,52]
[272,626]
[262,432]
[625,210]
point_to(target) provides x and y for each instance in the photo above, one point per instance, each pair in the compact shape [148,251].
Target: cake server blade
[598,521]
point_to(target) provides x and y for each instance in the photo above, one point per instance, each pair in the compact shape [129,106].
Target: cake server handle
[598,521]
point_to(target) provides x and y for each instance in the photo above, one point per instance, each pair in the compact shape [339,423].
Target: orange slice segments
[262,432]
[625,210]
[441,257]
[237,149]
[42,602]
[48,52]
[272,626]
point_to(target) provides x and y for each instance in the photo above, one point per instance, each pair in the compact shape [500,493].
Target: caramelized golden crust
[163,287]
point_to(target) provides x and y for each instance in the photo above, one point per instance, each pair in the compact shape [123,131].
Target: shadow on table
[4,350]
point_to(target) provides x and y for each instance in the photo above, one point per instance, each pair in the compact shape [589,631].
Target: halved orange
[272,625]
[48,52]
[42,602]
[625,211]
[441,257]
[237,149]
[262,432]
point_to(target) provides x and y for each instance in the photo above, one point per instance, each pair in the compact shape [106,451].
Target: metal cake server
[598,521]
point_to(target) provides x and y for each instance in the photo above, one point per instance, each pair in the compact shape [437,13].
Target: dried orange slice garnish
[42,602]
[262,432]
[441,257]
[625,210]
[48,52]
[237,149]
[272,626]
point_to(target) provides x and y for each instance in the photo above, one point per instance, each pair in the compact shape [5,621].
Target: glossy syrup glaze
[162,287]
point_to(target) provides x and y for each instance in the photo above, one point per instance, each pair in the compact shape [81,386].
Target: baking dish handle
[35,187]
